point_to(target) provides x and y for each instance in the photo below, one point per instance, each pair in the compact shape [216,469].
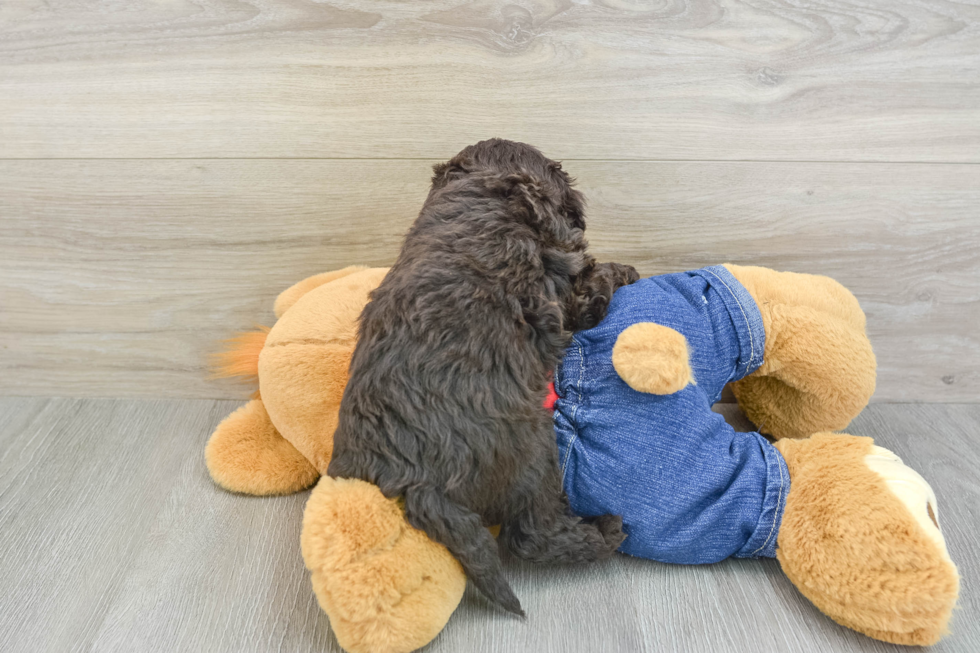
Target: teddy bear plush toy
[853,528]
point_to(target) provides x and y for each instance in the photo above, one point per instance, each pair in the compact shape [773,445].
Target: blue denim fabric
[690,489]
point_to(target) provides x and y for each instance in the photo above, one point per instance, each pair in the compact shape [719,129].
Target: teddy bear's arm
[247,454]
[652,358]
[291,295]
[385,585]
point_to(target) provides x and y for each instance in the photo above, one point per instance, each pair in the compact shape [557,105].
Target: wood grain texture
[883,80]
[113,538]
[117,278]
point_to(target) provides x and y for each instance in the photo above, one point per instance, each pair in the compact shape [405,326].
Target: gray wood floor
[113,538]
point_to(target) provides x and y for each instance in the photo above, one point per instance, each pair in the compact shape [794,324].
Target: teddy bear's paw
[911,489]
[247,454]
[652,358]
[386,587]
[860,538]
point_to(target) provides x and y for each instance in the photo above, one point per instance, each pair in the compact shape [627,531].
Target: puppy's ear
[573,208]
[535,202]
[573,202]
[455,168]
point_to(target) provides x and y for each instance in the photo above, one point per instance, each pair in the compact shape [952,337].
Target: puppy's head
[540,192]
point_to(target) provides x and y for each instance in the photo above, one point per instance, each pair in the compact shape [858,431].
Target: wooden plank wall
[166,169]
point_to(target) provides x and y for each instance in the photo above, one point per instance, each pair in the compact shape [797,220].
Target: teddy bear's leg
[860,538]
[386,587]
[819,368]
[247,454]
[290,295]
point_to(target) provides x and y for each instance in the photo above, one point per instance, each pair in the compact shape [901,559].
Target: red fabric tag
[549,401]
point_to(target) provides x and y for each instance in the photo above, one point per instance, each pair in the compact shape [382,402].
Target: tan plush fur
[819,369]
[291,295]
[853,549]
[301,364]
[388,588]
[303,367]
[247,454]
[652,358]
[241,356]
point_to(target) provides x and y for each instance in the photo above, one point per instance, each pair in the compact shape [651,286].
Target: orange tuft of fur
[241,355]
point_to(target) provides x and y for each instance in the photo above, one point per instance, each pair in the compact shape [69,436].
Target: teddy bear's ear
[291,295]
[652,358]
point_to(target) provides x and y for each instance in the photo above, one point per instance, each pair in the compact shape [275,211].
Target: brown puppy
[444,402]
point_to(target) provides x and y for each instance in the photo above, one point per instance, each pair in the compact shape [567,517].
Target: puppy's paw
[593,292]
[611,529]
[621,274]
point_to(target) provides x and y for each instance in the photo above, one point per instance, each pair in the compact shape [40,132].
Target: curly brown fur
[444,401]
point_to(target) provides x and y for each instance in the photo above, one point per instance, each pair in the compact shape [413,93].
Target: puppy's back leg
[462,532]
[547,531]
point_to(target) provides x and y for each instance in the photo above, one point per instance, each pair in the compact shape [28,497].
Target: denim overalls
[690,489]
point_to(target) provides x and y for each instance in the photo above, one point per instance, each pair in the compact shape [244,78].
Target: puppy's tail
[462,532]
